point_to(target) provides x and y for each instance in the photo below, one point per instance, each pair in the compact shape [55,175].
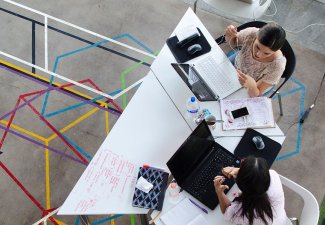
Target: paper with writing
[109,177]
[260,113]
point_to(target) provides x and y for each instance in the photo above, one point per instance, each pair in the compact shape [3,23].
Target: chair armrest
[310,211]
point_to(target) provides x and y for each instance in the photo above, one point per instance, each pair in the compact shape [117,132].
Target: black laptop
[198,161]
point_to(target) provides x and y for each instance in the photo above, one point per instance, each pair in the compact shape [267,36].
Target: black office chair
[286,50]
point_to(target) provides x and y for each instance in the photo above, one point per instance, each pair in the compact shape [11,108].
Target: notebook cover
[247,147]
[154,199]
[181,54]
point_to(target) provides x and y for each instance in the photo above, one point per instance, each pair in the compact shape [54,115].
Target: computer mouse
[258,141]
[194,48]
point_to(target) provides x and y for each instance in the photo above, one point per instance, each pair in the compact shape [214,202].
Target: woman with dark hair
[261,200]
[260,62]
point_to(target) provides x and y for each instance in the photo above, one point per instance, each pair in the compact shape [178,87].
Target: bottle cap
[192,99]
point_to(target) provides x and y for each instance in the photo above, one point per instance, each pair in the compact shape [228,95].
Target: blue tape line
[76,147]
[77,221]
[71,107]
[288,93]
[107,219]
[83,49]
[139,43]
[48,92]
[78,105]
[296,81]
[301,112]
[286,155]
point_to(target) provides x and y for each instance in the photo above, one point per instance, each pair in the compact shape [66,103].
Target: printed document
[260,113]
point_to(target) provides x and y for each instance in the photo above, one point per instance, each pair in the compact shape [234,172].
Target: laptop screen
[191,152]
[193,81]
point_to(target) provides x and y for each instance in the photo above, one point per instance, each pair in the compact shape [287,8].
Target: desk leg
[84,220]
[195,5]
[144,219]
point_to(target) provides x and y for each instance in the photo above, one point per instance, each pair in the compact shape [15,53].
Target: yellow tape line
[60,222]
[23,130]
[112,221]
[47,177]
[106,120]
[73,123]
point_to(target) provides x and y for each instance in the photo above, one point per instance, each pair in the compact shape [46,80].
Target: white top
[276,196]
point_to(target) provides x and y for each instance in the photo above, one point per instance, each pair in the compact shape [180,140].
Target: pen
[203,209]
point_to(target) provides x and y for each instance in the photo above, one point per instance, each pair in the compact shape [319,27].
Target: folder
[155,198]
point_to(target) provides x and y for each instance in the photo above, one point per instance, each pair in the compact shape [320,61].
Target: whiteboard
[149,131]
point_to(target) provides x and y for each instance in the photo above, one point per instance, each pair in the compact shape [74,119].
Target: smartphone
[239,113]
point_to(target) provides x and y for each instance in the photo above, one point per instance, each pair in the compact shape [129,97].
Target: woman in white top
[260,62]
[261,201]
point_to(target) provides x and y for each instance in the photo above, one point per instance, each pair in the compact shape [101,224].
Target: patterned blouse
[269,72]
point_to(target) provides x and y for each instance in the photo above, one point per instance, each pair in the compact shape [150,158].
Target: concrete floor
[150,23]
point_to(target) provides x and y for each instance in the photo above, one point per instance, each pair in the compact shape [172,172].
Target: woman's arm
[231,35]
[254,88]
[224,202]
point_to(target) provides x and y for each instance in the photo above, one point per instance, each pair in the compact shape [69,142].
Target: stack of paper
[184,213]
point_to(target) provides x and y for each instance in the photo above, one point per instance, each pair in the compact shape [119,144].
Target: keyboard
[214,165]
[216,76]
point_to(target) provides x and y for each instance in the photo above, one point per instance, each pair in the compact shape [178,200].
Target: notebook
[197,161]
[184,213]
[260,113]
[155,198]
[210,78]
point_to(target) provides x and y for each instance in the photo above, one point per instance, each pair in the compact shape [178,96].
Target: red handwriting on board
[108,175]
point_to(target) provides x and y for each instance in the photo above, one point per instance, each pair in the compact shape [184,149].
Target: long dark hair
[253,180]
[272,36]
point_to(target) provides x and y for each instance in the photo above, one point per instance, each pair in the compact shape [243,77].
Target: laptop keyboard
[220,159]
[216,75]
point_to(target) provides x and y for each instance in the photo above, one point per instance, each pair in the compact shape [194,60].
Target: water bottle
[192,107]
[173,191]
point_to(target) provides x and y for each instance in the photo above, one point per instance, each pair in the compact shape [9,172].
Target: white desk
[179,93]
[149,131]
[178,90]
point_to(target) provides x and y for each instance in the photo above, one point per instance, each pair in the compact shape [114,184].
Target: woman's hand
[231,31]
[218,186]
[246,80]
[230,172]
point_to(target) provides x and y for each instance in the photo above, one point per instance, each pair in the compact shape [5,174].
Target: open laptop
[210,78]
[195,164]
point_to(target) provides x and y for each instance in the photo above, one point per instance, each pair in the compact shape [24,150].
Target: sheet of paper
[260,113]
[181,214]
[199,220]
[110,177]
